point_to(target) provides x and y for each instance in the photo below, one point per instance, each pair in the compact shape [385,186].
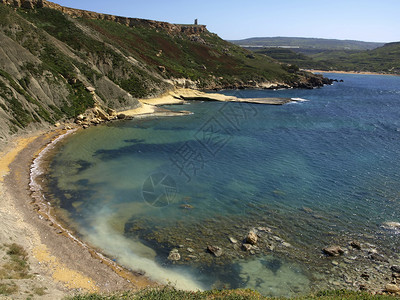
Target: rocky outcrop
[30,4]
[130,22]
[95,115]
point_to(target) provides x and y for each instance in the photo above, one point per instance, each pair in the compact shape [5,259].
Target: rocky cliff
[56,62]
[130,22]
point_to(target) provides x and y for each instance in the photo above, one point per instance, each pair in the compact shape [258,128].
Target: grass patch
[16,266]
[40,291]
[7,289]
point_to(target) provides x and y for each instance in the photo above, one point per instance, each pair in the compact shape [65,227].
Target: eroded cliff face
[44,80]
[130,22]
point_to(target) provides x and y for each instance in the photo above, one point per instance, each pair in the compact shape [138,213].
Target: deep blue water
[316,172]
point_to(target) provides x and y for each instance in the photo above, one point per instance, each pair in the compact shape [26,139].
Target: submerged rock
[233,241]
[217,251]
[391,226]
[286,244]
[395,269]
[247,247]
[333,250]
[355,245]
[186,206]
[174,255]
[264,229]
[378,257]
[252,238]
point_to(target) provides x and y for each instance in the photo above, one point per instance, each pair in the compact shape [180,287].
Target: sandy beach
[58,263]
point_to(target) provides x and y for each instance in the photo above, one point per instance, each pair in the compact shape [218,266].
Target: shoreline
[60,262]
[350,72]
[44,209]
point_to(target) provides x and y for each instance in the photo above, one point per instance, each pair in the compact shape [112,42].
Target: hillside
[385,59]
[306,45]
[56,62]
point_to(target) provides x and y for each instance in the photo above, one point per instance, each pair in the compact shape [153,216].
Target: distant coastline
[349,72]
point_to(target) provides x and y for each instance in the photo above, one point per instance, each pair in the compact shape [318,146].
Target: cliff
[130,22]
[56,62]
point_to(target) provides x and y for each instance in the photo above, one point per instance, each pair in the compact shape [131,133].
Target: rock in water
[333,250]
[247,247]
[233,240]
[378,257]
[392,226]
[264,229]
[217,251]
[252,238]
[355,245]
[395,269]
[174,255]
[392,288]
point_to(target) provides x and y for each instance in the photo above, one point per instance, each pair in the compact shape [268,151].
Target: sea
[323,170]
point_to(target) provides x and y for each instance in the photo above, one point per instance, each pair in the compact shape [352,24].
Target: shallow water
[317,172]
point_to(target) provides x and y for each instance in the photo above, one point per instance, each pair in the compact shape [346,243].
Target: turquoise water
[320,172]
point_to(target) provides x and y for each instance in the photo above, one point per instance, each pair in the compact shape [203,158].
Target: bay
[302,176]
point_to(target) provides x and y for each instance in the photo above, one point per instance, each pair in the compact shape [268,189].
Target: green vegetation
[40,291]
[199,58]
[79,100]
[385,59]
[169,293]
[325,54]
[7,289]
[54,58]
[304,44]
[16,266]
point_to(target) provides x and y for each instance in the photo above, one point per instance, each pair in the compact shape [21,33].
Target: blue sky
[368,20]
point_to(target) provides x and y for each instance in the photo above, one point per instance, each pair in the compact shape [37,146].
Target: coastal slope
[384,59]
[56,62]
